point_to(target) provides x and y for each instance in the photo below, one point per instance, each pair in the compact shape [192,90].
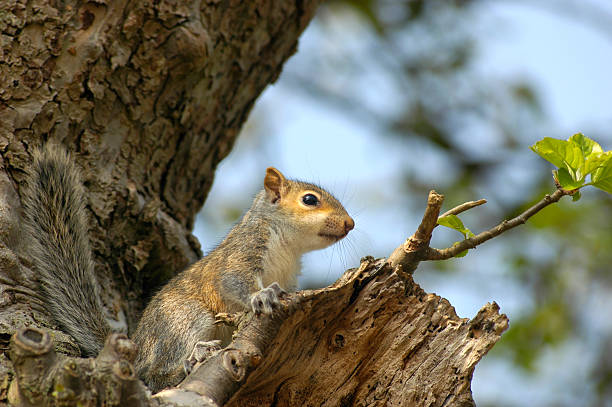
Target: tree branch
[463,207]
[415,249]
[437,254]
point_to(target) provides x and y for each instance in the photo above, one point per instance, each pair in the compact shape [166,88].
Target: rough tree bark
[149,97]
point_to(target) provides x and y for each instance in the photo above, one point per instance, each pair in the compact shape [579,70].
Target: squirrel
[249,270]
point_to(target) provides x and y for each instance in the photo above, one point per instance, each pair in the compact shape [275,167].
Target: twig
[464,207]
[442,254]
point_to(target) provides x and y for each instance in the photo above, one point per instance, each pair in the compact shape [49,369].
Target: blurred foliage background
[390,99]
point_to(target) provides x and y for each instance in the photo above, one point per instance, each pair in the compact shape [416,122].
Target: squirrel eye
[310,200]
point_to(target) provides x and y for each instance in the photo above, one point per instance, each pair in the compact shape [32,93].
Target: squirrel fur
[249,270]
[56,223]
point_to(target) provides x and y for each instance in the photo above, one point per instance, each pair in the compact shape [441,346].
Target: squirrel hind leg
[202,351]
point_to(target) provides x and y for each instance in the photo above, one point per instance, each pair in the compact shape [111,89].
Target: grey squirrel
[250,269]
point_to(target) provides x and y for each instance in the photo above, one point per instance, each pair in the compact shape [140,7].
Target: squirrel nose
[349,224]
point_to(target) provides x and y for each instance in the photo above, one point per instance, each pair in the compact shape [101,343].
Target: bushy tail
[55,220]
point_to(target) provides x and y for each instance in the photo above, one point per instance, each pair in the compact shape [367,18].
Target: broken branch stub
[407,256]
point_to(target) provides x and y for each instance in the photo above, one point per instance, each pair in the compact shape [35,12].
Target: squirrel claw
[201,351]
[266,300]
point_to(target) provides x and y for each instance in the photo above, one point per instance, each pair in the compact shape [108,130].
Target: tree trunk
[149,97]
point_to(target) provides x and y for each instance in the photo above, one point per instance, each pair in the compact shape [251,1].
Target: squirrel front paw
[267,299]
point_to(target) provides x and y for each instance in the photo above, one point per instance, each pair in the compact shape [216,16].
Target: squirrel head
[315,218]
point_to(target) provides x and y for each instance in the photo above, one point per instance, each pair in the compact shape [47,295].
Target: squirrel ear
[273,183]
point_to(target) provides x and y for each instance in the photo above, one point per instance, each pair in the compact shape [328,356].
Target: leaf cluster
[575,159]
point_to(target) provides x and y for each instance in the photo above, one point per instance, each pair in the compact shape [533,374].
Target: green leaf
[576,197]
[600,162]
[587,145]
[575,158]
[551,149]
[602,177]
[566,181]
[594,162]
[563,154]
[453,222]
